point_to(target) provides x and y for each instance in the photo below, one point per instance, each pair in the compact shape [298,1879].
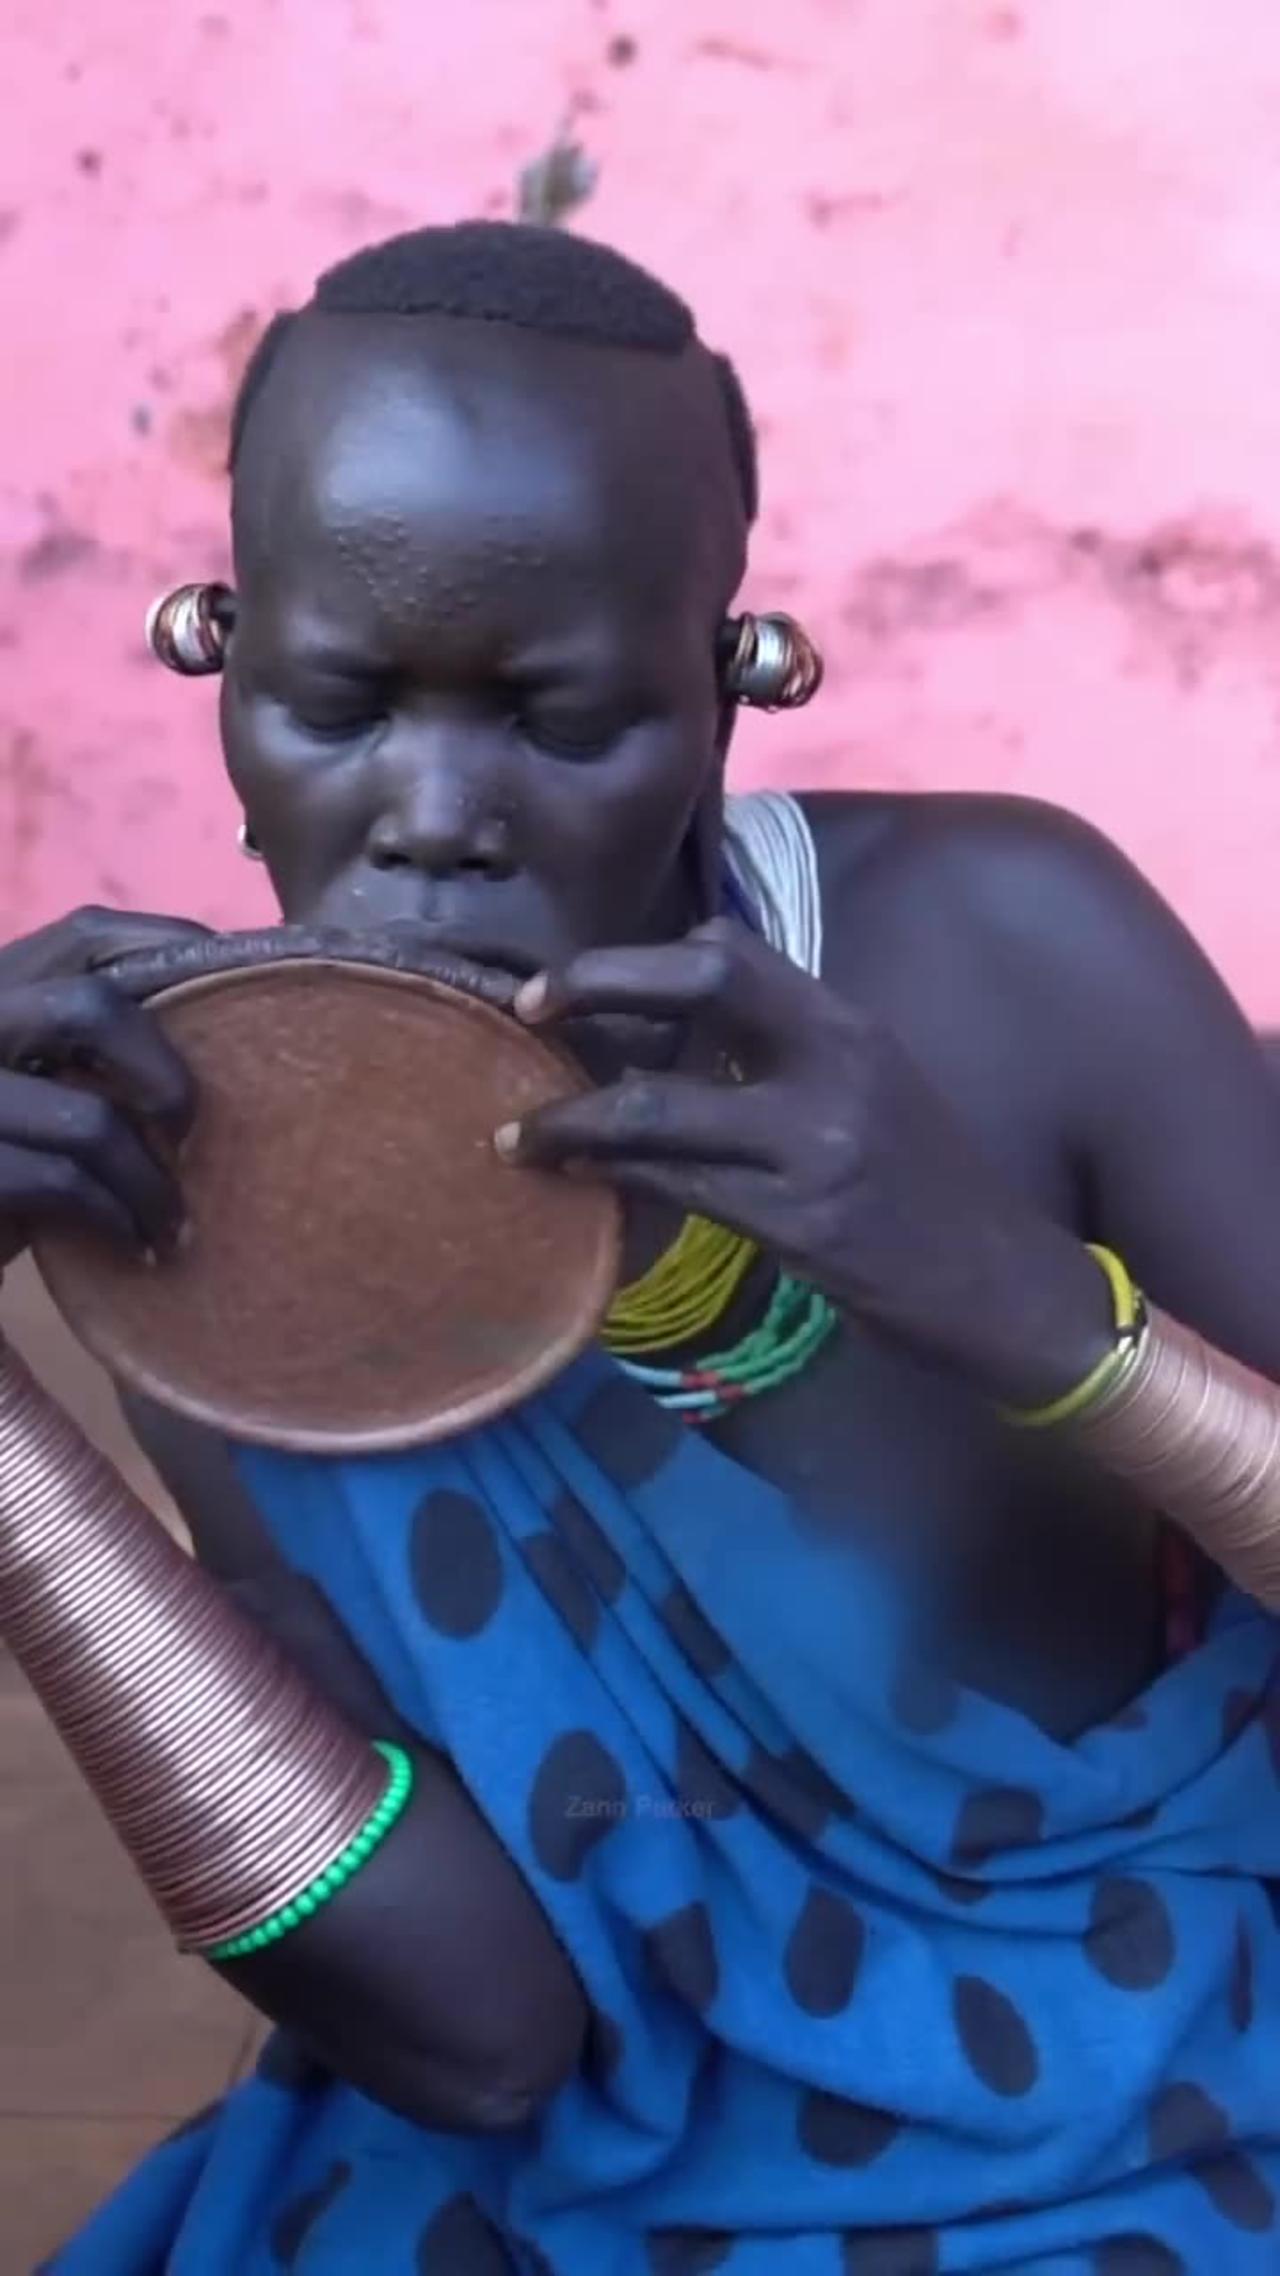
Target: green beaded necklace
[797,1324]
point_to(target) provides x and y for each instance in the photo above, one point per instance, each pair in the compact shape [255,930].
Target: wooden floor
[107,2037]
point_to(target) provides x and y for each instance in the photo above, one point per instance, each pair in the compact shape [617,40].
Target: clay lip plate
[364,1274]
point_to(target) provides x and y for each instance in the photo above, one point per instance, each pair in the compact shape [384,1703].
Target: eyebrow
[323,657]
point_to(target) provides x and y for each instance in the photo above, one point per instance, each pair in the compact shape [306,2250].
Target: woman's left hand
[826,1145]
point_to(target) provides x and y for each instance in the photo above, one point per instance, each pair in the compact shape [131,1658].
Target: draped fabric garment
[884,1980]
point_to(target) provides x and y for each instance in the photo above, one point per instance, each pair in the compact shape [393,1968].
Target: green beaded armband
[344,1868]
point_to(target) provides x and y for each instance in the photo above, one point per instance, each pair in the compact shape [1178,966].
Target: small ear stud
[769,663]
[187,629]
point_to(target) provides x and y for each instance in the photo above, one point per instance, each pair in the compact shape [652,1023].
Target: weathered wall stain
[35,796]
[54,554]
[1198,585]
[198,434]
[721,49]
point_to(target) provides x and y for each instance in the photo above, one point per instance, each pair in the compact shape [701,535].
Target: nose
[443,821]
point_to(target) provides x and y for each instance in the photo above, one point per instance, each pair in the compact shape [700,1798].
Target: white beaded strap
[771,854]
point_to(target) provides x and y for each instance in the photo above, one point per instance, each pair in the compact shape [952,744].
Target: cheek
[258,770]
[302,811]
[614,834]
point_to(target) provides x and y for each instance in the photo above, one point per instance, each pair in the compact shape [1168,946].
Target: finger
[112,933]
[48,1118]
[660,1118]
[87,1023]
[713,971]
[85,941]
[39,1190]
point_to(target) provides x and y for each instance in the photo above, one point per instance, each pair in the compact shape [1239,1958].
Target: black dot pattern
[579,1795]
[836,2132]
[1129,1939]
[1240,1708]
[890,2252]
[458,2241]
[922,1699]
[1271,1724]
[1240,1997]
[627,1434]
[794,1789]
[958,1889]
[564,1585]
[996,2040]
[1186,2125]
[824,1954]
[1238,2192]
[1137,2256]
[533,2261]
[993,1820]
[1140,1821]
[589,1547]
[457,1571]
[531,2258]
[703,1788]
[681,1951]
[291,2229]
[688,2252]
[603,2048]
[706,1652]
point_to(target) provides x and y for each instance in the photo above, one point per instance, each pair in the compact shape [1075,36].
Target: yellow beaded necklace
[683,1294]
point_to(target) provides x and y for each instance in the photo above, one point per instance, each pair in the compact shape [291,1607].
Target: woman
[835,1836]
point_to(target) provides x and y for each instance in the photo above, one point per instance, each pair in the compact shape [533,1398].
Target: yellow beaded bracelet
[1130,1319]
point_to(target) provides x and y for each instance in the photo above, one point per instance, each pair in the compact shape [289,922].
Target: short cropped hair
[537,280]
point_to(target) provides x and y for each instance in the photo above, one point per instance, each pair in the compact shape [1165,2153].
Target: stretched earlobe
[188,629]
[768,662]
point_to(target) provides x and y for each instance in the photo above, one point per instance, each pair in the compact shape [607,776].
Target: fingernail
[184,1236]
[531,998]
[506,1141]
[150,1259]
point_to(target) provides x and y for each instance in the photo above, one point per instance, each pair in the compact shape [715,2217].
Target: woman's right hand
[70,1154]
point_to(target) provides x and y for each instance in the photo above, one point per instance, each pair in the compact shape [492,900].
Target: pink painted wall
[1004,281]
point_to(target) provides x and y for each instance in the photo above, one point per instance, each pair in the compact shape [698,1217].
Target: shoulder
[974,846]
[1014,890]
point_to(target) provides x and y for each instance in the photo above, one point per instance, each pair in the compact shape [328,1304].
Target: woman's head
[491,499]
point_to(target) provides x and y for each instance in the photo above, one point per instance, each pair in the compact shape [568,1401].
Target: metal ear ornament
[769,662]
[187,629]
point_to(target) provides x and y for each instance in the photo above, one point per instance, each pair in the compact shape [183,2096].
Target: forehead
[411,464]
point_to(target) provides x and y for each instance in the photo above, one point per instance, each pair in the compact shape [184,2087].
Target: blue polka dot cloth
[884,1981]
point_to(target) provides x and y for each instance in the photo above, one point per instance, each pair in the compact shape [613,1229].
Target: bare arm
[1172,1108]
[432,1981]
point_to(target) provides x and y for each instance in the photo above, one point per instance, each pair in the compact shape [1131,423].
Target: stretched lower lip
[457,940]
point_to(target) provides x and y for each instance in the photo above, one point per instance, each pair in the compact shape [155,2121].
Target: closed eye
[566,738]
[332,729]
[337,715]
